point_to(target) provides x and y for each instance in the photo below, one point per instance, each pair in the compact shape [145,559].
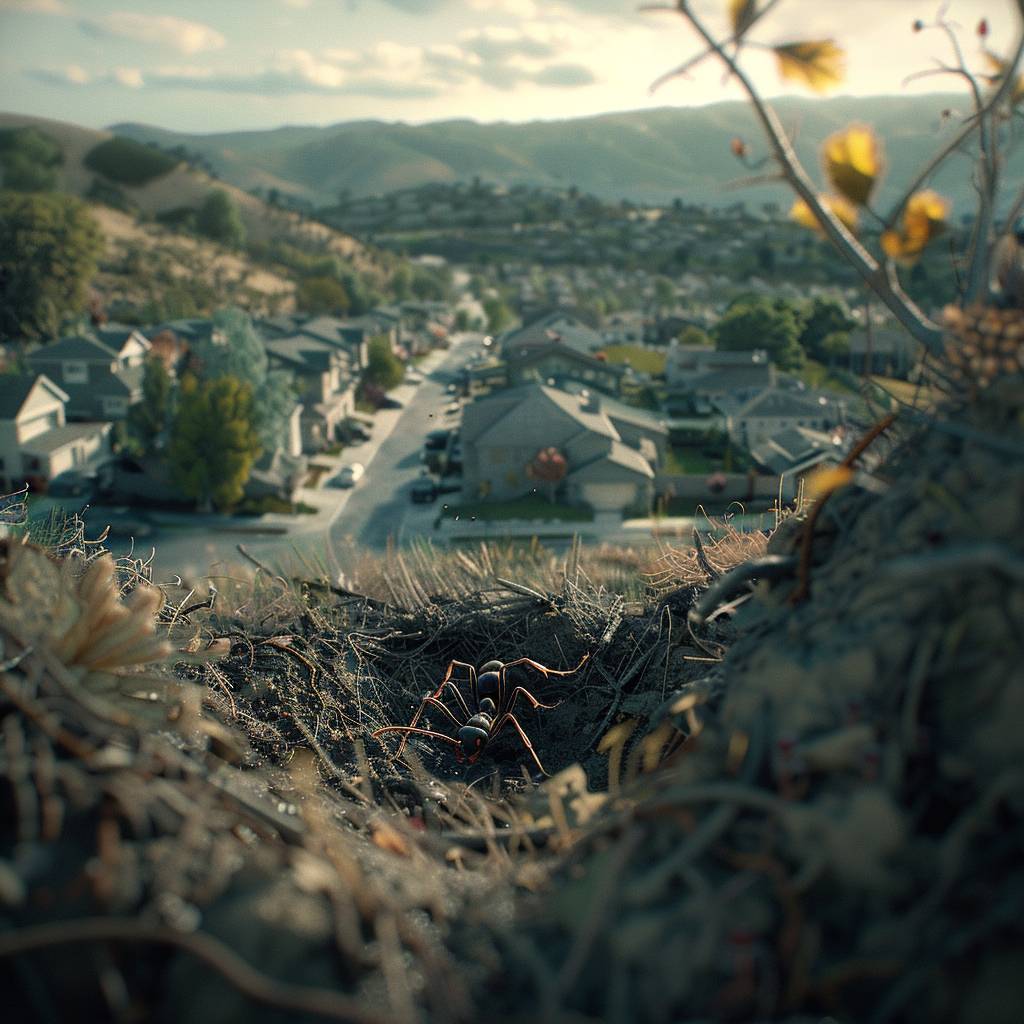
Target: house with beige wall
[36,441]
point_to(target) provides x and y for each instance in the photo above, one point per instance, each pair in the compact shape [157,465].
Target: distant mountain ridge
[650,156]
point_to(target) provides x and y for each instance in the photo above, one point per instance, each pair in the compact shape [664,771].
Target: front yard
[643,360]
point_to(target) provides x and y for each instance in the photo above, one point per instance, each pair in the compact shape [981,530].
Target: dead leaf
[818,63]
[853,162]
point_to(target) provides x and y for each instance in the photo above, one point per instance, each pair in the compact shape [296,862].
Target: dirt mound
[802,802]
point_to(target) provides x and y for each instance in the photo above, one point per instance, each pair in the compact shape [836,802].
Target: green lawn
[689,459]
[641,359]
[817,375]
[532,507]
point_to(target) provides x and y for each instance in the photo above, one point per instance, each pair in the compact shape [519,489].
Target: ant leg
[544,669]
[435,703]
[411,730]
[458,696]
[505,720]
[534,703]
[447,681]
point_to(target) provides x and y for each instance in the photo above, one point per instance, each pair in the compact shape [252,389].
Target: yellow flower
[924,219]
[839,206]
[998,65]
[853,162]
[818,63]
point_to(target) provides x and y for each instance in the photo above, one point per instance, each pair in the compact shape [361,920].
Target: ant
[493,703]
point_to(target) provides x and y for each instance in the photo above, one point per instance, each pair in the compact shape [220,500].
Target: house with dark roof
[887,350]
[698,377]
[558,327]
[502,434]
[102,379]
[36,441]
[752,422]
[326,388]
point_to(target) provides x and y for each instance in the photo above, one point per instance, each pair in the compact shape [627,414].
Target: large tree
[824,318]
[218,218]
[148,420]
[49,245]
[384,369]
[29,159]
[760,323]
[213,443]
[236,351]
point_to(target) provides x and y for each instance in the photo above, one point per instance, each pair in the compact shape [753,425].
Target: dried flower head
[78,614]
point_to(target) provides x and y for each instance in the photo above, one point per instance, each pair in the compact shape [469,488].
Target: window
[115,406]
[75,371]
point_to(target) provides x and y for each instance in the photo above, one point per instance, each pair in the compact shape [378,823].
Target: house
[102,378]
[628,327]
[325,385]
[753,421]
[36,441]
[349,337]
[794,452]
[699,378]
[886,350]
[276,475]
[502,434]
[560,327]
[557,362]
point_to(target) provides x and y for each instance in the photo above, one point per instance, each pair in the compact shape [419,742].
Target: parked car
[424,491]
[437,440]
[349,475]
[412,377]
[121,522]
[452,409]
[387,402]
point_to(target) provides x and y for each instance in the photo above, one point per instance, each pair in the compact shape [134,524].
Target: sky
[216,65]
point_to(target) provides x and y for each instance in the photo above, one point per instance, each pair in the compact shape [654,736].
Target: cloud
[515,8]
[35,6]
[187,37]
[565,76]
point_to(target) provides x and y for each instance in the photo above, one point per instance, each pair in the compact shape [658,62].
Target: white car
[349,475]
[413,378]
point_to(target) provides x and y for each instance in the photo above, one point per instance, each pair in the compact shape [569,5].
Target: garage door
[608,497]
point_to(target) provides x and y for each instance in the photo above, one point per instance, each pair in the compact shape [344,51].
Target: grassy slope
[184,187]
[651,155]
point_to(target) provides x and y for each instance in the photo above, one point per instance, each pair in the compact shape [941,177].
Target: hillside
[646,156]
[149,271]
[184,186]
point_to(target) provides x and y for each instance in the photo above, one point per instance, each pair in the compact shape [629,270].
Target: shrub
[128,162]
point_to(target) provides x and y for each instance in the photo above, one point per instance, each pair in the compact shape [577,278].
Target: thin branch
[882,280]
[688,65]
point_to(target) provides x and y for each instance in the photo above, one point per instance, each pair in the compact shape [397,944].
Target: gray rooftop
[14,389]
[57,437]
[77,346]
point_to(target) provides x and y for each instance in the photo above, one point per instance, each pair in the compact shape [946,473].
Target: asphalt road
[380,506]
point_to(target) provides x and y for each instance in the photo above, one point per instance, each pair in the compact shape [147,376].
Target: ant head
[472,741]
[487,706]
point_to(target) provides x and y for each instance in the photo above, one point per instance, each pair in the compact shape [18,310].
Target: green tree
[148,420]
[218,218]
[822,318]
[322,295]
[49,245]
[834,348]
[692,335]
[383,368]
[213,443]
[236,351]
[29,159]
[499,316]
[760,323]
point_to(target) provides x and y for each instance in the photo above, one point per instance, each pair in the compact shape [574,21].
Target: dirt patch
[807,805]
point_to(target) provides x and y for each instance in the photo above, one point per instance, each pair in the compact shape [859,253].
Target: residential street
[379,506]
